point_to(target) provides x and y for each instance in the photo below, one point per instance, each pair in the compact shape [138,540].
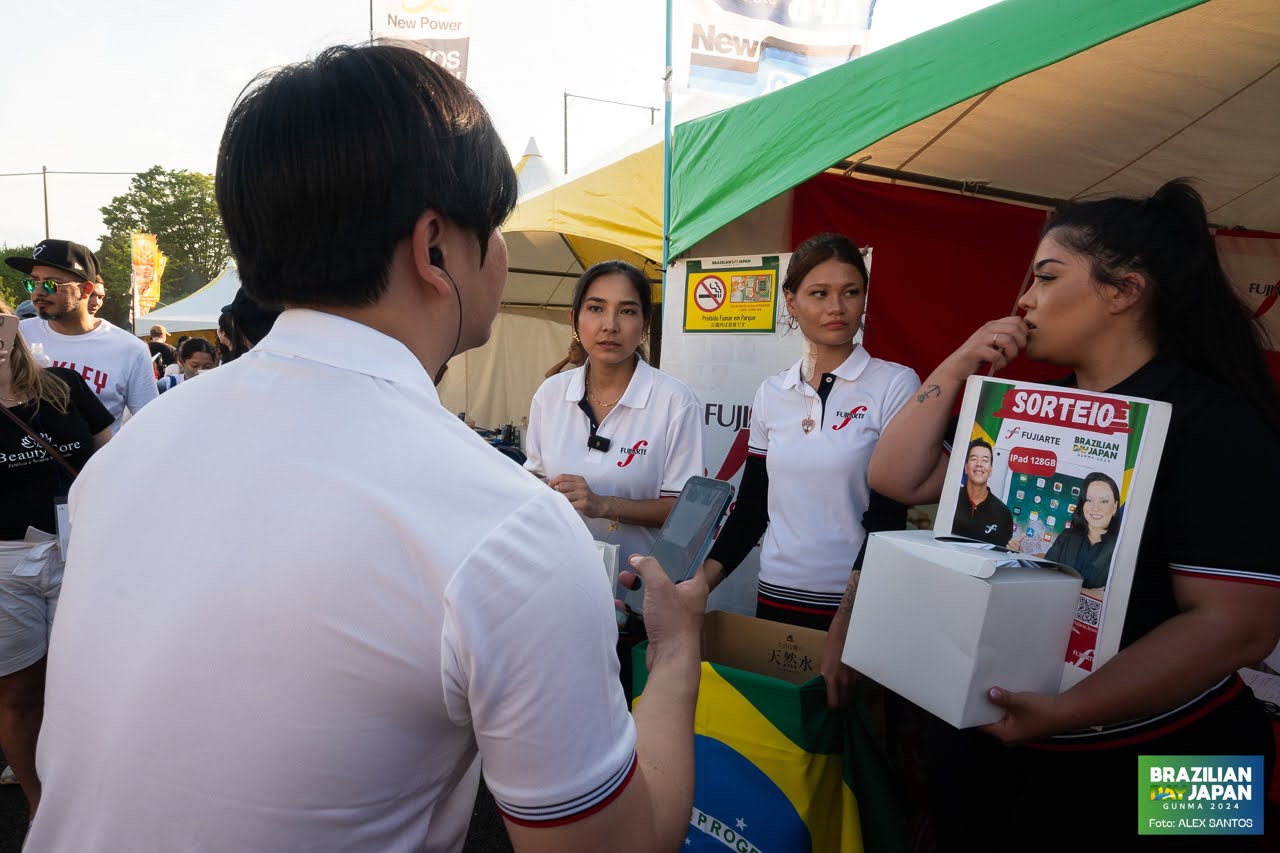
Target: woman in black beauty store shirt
[57,405]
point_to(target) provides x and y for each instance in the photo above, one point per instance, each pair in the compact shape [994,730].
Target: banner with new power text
[744,48]
[441,29]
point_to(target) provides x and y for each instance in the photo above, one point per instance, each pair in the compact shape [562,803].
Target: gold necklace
[599,402]
[602,403]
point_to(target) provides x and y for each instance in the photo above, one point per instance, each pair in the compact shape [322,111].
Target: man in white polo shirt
[114,364]
[376,600]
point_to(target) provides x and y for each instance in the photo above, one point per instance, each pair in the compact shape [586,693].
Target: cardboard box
[771,649]
[942,622]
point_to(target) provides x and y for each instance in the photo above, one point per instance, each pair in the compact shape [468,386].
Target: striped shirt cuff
[573,810]
[1266,578]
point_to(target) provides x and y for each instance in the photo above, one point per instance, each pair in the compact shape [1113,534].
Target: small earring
[576,339]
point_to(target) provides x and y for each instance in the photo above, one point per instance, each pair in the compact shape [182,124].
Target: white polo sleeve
[684,449]
[758,438]
[142,387]
[899,392]
[528,663]
[533,437]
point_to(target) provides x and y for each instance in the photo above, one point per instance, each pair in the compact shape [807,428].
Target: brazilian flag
[776,772]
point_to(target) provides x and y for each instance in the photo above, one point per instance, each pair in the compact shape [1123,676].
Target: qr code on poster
[1089,611]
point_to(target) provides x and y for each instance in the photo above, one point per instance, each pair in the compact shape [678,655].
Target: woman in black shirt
[46,406]
[1130,296]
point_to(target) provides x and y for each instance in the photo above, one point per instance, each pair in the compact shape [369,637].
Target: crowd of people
[375,608]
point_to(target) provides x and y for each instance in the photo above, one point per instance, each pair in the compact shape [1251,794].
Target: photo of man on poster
[979,513]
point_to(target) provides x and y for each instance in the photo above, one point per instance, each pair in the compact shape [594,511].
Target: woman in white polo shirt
[813,428]
[617,437]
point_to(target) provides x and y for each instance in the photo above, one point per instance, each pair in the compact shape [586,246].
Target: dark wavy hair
[1079,522]
[1167,239]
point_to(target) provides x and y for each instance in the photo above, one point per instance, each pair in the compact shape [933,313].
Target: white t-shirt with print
[655,444]
[115,365]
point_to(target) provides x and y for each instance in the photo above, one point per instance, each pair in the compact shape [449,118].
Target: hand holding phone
[687,534]
[8,333]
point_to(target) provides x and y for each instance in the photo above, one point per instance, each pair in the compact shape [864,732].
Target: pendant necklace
[807,424]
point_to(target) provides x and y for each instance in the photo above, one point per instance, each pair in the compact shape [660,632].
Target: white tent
[200,310]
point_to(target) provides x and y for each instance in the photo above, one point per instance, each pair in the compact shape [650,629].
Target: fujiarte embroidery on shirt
[856,414]
[638,449]
[96,378]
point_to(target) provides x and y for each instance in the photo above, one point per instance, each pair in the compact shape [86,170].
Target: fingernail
[993,693]
[635,559]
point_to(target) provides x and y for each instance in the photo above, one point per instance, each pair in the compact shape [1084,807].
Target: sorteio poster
[1065,475]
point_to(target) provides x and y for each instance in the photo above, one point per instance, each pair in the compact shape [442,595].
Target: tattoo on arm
[850,593]
[931,391]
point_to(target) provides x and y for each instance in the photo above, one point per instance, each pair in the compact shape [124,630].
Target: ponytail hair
[1189,300]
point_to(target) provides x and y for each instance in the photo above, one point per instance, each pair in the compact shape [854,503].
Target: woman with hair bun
[1130,296]
[813,428]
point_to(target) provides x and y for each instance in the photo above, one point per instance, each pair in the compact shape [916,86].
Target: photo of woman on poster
[1089,543]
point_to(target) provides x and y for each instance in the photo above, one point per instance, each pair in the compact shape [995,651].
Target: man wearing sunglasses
[115,364]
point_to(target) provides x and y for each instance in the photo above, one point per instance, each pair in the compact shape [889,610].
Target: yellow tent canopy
[611,212]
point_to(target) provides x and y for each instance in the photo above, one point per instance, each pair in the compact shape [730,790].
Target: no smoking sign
[709,293]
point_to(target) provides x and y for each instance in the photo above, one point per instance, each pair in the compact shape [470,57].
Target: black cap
[61,255]
[251,318]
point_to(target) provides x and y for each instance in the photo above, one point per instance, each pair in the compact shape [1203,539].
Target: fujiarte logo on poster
[728,416]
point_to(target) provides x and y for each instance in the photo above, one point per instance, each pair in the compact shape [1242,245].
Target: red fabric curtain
[942,264]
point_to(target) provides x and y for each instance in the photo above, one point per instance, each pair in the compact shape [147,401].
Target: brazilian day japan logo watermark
[1200,794]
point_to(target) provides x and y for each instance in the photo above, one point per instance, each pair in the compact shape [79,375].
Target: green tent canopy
[1027,100]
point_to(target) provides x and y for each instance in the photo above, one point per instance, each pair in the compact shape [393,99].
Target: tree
[179,208]
[11,289]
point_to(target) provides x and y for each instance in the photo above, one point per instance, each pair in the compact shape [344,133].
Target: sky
[123,85]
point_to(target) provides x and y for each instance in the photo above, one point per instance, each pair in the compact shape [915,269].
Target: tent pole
[666,154]
[849,167]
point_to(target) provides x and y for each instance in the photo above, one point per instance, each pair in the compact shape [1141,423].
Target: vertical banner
[724,370]
[745,48]
[146,272]
[441,29]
